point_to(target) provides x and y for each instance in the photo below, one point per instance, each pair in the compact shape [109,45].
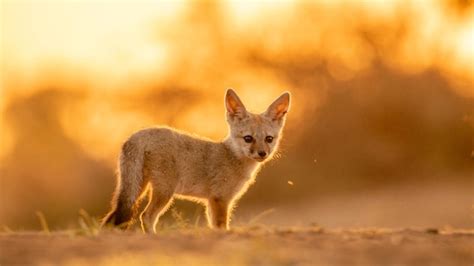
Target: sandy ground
[243,246]
[410,205]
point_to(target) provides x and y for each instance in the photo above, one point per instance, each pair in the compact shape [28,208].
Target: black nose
[262,154]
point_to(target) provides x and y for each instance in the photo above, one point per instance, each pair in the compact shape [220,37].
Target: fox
[165,163]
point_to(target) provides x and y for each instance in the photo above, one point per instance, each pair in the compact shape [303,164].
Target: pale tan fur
[169,163]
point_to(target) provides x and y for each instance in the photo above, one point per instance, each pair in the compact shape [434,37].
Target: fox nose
[262,154]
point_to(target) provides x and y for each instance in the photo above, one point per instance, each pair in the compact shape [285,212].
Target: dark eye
[248,139]
[269,139]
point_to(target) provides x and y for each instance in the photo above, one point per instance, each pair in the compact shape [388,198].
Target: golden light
[112,42]
[248,12]
[463,52]
[83,46]
[80,76]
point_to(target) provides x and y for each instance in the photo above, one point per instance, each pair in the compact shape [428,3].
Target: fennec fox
[166,163]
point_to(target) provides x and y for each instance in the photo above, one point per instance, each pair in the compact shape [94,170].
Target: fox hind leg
[158,203]
[160,198]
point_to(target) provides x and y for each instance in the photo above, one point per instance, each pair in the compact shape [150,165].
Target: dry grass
[256,245]
[184,241]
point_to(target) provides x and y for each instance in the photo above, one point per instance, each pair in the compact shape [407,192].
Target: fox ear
[279,107]
[234,106]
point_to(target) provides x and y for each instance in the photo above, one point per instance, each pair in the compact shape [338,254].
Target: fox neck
[248,168]
[231,146]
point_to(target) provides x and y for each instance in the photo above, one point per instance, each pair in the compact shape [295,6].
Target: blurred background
[381,130]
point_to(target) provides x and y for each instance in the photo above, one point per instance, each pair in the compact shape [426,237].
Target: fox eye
[248,139]
[269,139]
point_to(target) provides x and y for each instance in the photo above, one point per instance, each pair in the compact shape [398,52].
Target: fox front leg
[218,213]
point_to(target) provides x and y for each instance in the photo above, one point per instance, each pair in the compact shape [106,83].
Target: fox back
[164,163]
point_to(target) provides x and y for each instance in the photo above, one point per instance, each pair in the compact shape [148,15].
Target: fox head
[255,136]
